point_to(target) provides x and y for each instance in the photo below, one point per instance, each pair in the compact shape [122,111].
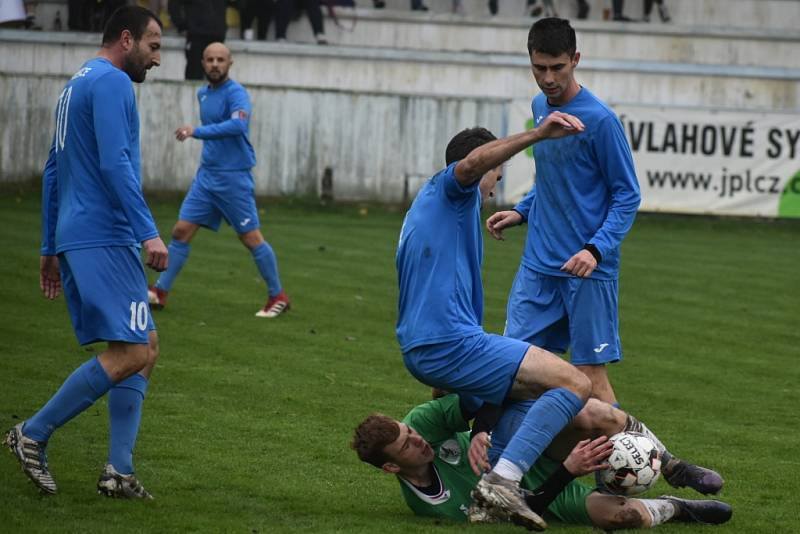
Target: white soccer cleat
[275,306]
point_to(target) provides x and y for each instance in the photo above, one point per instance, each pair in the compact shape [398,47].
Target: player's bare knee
[580,385]
[152,348]
[137,358]
[251,239]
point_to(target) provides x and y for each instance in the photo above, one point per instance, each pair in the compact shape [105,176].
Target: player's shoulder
[596,106]
[232,86]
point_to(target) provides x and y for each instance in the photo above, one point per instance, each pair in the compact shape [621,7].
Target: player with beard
[223,186]
[94,221]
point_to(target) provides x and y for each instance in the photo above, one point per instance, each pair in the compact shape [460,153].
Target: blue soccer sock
[178,254]
[267,265]
[548,415]
[80,390]
[124,414]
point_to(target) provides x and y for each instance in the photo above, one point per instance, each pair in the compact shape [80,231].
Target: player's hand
[49,276]
[479,453]
[500,220]
[581,264]
[157,254]
[588,456]
[184,132]
[559,124]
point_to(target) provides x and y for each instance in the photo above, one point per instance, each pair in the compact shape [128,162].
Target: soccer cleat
[708,512]
[118,486]
[478,512]
[680,474]
[157,297]
[275,306]
[32,458]
[504,496]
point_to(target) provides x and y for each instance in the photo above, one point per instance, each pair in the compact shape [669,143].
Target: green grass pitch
[247,421]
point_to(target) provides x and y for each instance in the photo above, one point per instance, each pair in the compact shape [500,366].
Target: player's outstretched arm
[49,276]
[157,254]
[486,157]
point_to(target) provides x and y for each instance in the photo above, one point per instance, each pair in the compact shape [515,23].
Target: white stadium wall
[380,117]
[375,144]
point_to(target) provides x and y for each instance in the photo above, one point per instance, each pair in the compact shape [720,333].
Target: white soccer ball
[635,464]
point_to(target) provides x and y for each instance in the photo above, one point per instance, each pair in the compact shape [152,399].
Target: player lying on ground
[429,452]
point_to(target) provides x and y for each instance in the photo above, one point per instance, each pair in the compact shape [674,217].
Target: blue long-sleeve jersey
[225,115]
[92,191]
[586,190]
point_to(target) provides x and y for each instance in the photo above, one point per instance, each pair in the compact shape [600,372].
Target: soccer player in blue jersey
[94,220]
[584,202]
[439,328]
[223,187]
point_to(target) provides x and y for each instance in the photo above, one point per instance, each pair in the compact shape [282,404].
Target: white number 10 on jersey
[61,117]
[139,312]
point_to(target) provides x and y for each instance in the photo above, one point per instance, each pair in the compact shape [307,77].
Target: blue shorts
[482,365]
[236,203]
[106,293]
[558,313]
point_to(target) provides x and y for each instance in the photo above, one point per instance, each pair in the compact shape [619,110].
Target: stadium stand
[715,55]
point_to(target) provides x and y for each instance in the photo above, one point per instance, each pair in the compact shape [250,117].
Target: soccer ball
[635,464]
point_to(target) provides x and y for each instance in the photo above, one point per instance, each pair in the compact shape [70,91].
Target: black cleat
[680,474]
[707,512]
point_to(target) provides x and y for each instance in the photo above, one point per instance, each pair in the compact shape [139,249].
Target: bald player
[223,186]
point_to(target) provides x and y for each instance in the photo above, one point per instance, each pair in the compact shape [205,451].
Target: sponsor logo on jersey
[239,114]
[81,73]
[450,452]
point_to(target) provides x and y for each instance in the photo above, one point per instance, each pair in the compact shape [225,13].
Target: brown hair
[372,436]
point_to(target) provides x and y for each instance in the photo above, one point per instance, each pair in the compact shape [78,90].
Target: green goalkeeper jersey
[443,426]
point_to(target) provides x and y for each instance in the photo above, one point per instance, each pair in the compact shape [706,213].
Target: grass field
[247,421]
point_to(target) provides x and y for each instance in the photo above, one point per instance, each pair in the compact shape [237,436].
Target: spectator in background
[251,11]
[618,6]
[314,12]
[417,5]
[662,10]
[536,10]
[204,23]
[583,9]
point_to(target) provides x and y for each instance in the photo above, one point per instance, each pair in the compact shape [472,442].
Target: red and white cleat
[157,297]
[275,306]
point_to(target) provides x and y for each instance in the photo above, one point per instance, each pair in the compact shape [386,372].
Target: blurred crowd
[204,21]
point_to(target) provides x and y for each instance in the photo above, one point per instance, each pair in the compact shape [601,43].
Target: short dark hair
[372,436]
[132,18]
[552,36]
[465,142]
